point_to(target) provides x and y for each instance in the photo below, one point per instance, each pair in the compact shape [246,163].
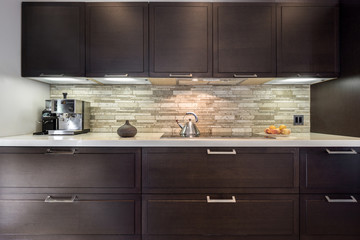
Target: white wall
[21,100]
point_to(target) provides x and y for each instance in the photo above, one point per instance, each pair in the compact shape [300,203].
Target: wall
[335,104]
[231,109]
[21,100]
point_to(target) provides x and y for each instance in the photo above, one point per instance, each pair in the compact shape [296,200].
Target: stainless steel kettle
[189,129]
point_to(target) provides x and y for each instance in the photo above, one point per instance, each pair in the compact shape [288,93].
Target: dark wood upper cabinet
[307,40]
[244,39]
[53,39]
[117,39]
[180,39]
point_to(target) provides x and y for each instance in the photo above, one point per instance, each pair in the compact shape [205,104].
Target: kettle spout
[177,121]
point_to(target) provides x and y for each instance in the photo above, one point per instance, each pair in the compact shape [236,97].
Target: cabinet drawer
[201,170]
[242,215]
[70,237]
[335,220]
[81,170]
[29,214]
[330,170]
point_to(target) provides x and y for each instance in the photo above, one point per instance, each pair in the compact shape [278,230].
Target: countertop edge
[181,143]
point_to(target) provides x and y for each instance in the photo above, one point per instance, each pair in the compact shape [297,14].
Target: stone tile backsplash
[221,109]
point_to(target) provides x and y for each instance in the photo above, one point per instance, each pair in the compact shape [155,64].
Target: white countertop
[154,140]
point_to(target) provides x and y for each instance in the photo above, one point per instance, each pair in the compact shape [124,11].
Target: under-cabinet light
[61,79]
[291,80]
[121,79]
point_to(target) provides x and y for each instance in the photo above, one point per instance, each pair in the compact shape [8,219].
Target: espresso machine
[73,116]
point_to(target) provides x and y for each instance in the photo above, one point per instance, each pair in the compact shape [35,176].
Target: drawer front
[242,215]
[330,216]
[62,215]
[70,237]
[201,170]
[86,170]
[330,170]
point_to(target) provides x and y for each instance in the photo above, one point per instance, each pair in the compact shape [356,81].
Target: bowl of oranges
[281,130]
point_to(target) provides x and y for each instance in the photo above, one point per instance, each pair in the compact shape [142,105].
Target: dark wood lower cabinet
[221,170]
[186,194]
[330,170]
[70,237]
[265,216]
[69,216]
[330,217]
[70,170]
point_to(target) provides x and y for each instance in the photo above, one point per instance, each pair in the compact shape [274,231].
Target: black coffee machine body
[49,121]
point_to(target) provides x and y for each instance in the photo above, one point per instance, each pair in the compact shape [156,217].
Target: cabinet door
[80,170]
[308,40]
[330,170]
[180,39]
[53,39]
[70,215]
[116,39]
[243,216]
[244,40]
[330,217]
[196,170]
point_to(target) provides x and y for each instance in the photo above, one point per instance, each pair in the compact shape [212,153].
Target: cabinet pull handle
[352,151]
[181,75]
[309,76]
[209,152]
[60,152]
[50,199]
[232,200]
[51,75]
[116,76]
[245,75]
[352,200]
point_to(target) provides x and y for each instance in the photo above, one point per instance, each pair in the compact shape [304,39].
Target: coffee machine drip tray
[68,132]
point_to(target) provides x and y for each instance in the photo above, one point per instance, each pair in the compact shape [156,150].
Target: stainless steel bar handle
[233,152]
[245,76]
[352,151]
[51,75]
[61,152]
[352,200]
[232,200]
[315,75]
[181,75]
[50,199]
[116,76]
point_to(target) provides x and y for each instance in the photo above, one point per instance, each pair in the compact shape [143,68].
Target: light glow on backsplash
[226,109]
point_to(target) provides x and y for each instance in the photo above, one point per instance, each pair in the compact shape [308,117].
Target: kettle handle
[192,113]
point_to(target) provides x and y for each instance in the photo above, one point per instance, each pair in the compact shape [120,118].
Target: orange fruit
[282,127]
[272,127]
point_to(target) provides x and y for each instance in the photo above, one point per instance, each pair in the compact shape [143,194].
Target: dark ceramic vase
[127,130]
